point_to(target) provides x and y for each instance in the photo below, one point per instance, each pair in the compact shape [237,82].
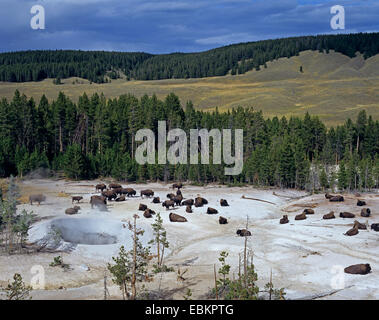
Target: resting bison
[176,218]
[352,232]
[222,220]
[148,213]
[301,216]
[114,186]
[98,201]
[224,203]
[359,225]
[361,203]
[328,195]
[120,199]
[243,233]
[142,207]
[177,185]
[309,211]
[147,193]
[328,216]
[171,196]
[109,194]
[347,215]
[358,269]
[375,226]
[156,200]
[77,199]
[365,212]
[284,220]
[72,211]
[100,187]
[168,204]
[37,198]
[337,199]
[178,199]
[211,211]
[199,202]
[188,202]
[189,209]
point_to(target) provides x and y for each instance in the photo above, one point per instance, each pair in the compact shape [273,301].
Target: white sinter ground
[306,257]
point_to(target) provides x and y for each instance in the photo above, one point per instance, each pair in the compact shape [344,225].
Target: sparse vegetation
[17,290]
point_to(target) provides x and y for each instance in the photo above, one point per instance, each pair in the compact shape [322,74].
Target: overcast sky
[164,26]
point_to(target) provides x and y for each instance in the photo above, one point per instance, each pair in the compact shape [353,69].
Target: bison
[77,199]
[199,202]
[178,199]
[98,201]
[284,220]
[168,204]
[121,199]
[328,195]
[142,207]
[222,220]
[101,187]
[109,194]
[211,211]
[170,196]
[301,216]
[148,213]
[359,225]
[115,186]
[347,215]
[375,226]
[72,211]
[352,232]
[309,211]
[156,200]
[337,199]
[243,233]
[189,209]
[178,192]
[328,216]
[188,202]
[37,198]
[361,203]
[177,185]
[176,218]
[365,212]
[358,269]
[224,203]
[147,193]
[130,192]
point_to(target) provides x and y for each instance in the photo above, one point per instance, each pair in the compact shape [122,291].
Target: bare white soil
[306,257]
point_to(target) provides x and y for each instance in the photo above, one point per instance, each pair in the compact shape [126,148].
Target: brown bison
[199,202]
[328,195]
[189,209]
[358,269]
[188,202]
[328,216]
[365,212]
[178,192]
[142,207]
[284,220]
[243,233]
[98,201]
[359,225]
[211,211]
[347,215]
[115,186]
[101,187]
[147,193]
[176,218]
[156,200]
[178,199]
[109,194]
[224,203]
[375,226]
[72,211]
[148,213]
[361,203]
[352,232]
[130,192]
[77,199]
[309,211]
[171,196]
[121,199]
[301,216]
[222,220]
[177,185]
[168,204]
[37,198]
[337,199]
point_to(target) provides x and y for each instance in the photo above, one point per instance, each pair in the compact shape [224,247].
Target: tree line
[95,137]
[99,66]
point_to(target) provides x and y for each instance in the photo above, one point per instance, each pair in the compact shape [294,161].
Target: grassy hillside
[332,86]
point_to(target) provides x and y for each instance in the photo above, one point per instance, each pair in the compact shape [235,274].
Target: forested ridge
[95,138]
[100,67]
